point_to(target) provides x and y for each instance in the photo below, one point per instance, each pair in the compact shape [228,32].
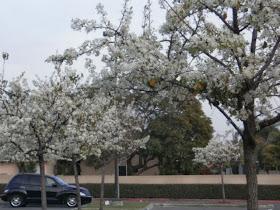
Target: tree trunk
[249,146]
[102,185]
[77,181]
[130,170]
[223,186]
[43,181]
[117,186]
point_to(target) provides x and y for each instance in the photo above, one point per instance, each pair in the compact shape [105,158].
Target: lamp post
[5,57]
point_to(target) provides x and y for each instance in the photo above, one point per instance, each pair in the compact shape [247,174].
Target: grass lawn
[126,205]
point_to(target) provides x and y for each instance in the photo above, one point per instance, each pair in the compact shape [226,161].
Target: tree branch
[228,118]
[170,47]
[145,168]
[218,61]
[220,17]
[254,41]
[235,20]
[193,30]
[269,60]
[269,122]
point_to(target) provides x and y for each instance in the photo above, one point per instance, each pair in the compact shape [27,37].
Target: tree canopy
[58,119]
[219,153]
[174,131]
[225,52]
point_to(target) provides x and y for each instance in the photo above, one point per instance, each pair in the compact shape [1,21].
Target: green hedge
[177,191]
[2,187]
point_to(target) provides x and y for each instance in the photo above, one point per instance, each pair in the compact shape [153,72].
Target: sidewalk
[187,200]
[159,203]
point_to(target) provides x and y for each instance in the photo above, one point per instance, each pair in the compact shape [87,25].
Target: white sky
[32,30]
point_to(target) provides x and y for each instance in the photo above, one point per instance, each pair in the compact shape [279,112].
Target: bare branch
[254,41]
[218,61]
[220,17]
[235,20]
[228,118]
[193,30]
[269,60]
[123,16]
[170,47]
[269,122]
[246,26]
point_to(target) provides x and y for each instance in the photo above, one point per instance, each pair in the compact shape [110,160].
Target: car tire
[16,200]
[71,200]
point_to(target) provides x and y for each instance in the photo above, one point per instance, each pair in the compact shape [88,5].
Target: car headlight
[82,194]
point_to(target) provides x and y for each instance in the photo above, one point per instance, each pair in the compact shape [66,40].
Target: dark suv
[26,188]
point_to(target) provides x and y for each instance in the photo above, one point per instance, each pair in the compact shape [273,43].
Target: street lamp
[5,57]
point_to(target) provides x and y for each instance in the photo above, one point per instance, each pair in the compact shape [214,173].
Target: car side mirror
[54,184]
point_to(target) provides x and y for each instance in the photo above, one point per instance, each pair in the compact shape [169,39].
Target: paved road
[6,206]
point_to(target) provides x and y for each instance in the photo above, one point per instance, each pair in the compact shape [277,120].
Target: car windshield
[60,181]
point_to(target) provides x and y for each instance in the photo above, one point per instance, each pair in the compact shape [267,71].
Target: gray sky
[32,30]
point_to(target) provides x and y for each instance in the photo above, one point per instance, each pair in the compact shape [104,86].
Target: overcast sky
[32,30]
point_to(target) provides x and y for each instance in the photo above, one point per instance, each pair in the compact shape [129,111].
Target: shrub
[177,191]
[191,191]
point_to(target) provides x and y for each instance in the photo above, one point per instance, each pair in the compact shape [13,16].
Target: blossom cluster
[229,48]
[217,153]
[60,117]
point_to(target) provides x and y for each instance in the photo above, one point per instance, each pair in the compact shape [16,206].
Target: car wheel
[71,200]
[16,200]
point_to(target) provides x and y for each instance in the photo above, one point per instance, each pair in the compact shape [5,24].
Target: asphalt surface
[6,206]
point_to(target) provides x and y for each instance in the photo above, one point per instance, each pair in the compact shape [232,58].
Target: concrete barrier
[263,179]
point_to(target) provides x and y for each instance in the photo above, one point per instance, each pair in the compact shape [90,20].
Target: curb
[264,204]
[213,205]
[149,207]
[158,200]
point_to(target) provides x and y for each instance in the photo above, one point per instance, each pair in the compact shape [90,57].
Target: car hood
[74,187]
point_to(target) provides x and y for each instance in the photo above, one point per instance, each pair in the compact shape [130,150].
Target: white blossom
[217,153]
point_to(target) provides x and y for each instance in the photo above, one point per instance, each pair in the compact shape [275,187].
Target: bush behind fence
[181,191]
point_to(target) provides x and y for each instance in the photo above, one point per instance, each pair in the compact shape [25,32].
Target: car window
[18,180]
[33,180]
[60,181]
[49,182]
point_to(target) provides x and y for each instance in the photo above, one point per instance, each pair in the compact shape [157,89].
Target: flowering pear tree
[79,135]
[34,121]
[225,52]
[218,154]
[235,50]
[120,131]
